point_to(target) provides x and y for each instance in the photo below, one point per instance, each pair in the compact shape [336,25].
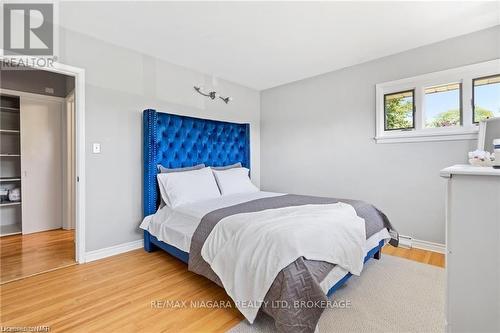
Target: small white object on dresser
[472,249]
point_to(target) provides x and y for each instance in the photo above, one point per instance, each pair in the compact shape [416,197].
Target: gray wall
[120,83]
[317,137]
[35,81]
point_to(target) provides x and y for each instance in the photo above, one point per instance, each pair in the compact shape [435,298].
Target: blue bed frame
[176,141]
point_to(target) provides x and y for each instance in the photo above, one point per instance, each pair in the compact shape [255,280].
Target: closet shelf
[9,203]
[10,229]
[10,158]
[10,179]
[7,109]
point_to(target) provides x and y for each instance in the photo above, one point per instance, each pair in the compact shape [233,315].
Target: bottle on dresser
[496,146]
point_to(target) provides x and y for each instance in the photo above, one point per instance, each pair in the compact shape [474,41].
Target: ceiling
[266,44]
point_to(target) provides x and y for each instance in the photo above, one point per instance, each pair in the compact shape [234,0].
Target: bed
[176,141]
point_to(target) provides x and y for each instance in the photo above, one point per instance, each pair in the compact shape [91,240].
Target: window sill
[424,136]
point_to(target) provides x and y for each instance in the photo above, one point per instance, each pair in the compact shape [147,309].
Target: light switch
[96,148]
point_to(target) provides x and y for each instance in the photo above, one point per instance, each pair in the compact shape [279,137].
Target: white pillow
[233,181]
[179,188]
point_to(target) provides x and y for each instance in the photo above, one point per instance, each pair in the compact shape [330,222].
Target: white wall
[317,137]
[120,83]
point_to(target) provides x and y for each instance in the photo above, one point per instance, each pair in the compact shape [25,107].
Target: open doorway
[38,175]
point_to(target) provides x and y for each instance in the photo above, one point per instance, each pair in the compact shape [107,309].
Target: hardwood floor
[116,294]
[25,255]
[423,256]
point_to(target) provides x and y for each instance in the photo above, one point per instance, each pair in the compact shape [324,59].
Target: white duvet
[177,226]
[247,251]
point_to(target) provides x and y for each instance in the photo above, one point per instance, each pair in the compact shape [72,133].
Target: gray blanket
[299,281]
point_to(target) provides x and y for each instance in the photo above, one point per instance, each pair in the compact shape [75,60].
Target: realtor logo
[28,29]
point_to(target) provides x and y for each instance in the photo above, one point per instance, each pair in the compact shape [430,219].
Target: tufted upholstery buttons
[178,141]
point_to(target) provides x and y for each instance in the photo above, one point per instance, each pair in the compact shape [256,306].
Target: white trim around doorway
[79,75]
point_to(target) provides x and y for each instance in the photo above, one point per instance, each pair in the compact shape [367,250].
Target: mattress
[177,226]
[337,273]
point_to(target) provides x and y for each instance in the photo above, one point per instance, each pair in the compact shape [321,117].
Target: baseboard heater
[405,241]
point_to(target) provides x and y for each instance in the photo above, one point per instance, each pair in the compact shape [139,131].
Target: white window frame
[463,75]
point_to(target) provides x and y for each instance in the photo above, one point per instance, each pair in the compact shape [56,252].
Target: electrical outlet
[96,148]
[49,90]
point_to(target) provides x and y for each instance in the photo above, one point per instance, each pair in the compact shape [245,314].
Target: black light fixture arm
[211,94]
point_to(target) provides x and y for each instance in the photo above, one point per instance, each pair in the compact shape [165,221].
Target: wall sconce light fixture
[212,94]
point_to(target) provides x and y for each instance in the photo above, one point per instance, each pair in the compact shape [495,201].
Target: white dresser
[473,249]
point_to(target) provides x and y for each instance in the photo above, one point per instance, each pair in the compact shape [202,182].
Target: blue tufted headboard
[178,141]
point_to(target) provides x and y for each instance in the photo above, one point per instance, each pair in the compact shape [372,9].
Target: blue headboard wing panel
[179,141]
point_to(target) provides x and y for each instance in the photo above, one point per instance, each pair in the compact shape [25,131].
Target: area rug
[392,295]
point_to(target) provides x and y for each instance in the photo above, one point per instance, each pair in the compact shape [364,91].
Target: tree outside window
[399,110]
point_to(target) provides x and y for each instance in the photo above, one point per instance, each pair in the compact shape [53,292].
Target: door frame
[79,92]
[69,104]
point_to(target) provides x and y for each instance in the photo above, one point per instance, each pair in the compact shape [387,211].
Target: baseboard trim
[429,246]
[113,250]
[126,247]
[409,242]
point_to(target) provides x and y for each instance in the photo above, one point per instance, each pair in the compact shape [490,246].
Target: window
[399,110]
[439,106]
[486,98]
[442,106]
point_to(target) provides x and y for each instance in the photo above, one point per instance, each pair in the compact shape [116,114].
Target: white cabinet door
[41,164]
[473,260]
